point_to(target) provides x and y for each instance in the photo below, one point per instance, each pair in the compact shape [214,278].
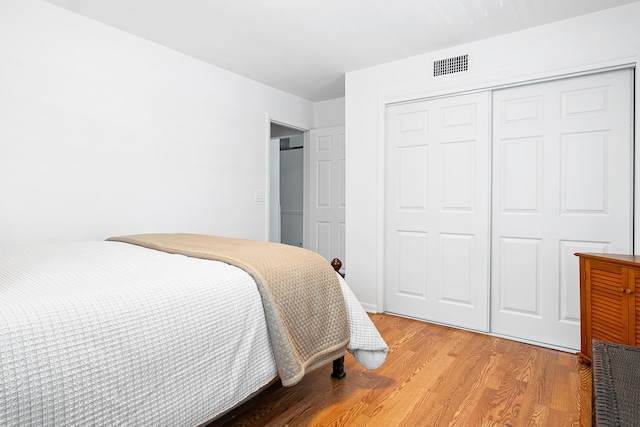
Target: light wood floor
[434,376]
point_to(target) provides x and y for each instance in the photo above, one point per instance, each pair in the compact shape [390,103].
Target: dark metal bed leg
[338,364]
[338,368]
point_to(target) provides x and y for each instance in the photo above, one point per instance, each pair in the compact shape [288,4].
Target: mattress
[107,333]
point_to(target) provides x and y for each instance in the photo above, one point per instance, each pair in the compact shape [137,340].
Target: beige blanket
[303,302]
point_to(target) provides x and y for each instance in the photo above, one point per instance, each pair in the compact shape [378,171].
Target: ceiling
[305,47]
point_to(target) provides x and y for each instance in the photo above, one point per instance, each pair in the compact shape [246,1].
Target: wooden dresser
[609,308]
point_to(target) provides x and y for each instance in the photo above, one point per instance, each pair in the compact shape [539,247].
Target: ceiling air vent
[451,65]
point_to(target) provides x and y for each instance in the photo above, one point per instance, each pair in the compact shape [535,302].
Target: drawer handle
[628,291]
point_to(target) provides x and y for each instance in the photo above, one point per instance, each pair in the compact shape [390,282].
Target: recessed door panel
[324,143]
[519,286]
[323,237]
[458,116]
[584,172]
[520,180]
[412,271]
[518,109]
[412,121]
[457,284]
[458,176]
[586,101]
[412,182]
[323,182]
[569,270]
[341,184]
[343,234]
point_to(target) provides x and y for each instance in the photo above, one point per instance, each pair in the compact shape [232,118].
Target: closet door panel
[562,167]
[437,210]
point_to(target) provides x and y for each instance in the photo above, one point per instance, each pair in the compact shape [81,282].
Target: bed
[164,330]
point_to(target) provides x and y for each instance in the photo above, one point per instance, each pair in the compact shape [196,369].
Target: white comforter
[107,333]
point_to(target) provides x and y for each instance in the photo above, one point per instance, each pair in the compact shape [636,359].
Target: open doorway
[286,185]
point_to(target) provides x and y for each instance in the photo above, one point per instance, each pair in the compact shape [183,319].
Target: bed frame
[338,364]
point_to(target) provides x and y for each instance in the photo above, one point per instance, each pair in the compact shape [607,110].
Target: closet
[488,195]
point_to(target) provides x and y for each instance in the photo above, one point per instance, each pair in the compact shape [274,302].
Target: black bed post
[337,265]
[338,364]
[338,369]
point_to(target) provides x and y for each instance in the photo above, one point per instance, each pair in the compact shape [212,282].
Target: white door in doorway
[437,210]
[562,168]
[326,199]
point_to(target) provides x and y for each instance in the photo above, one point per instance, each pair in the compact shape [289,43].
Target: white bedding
[107,333]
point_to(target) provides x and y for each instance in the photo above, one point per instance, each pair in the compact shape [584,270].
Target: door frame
[385,101]
[305,128]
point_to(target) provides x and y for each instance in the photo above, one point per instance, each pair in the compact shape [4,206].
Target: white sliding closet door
[562,183]
[437,210]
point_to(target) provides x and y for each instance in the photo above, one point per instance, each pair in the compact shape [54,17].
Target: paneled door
[326,218]
[437,210]
[562,168]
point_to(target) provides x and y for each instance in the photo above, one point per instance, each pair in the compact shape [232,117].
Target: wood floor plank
[434,376]
[457,383]
[472,397]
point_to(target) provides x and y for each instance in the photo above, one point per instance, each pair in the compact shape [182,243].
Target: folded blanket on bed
[303,303]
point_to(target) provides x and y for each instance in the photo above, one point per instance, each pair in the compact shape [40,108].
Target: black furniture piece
[616,384]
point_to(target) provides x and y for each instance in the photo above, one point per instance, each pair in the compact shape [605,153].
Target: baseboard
[370,308]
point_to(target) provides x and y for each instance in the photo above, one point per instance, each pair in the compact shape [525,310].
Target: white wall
[329,113]
[103,133]
[589,42]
